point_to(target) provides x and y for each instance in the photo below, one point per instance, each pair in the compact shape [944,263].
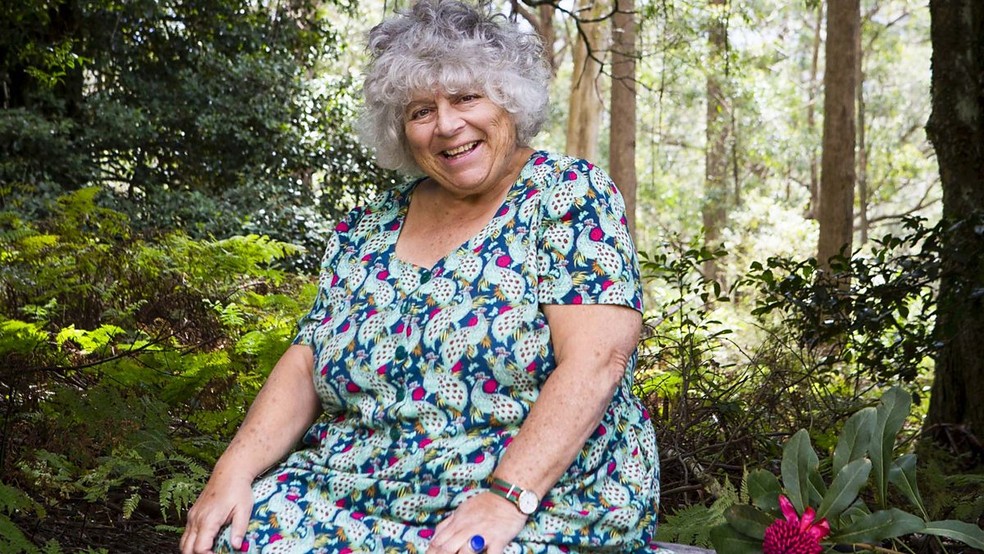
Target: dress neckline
[517,187]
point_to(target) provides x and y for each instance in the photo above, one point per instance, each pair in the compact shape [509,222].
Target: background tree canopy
[169,170]
[200,116]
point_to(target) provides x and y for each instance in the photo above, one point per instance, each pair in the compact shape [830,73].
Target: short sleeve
[326,280]
[585,252]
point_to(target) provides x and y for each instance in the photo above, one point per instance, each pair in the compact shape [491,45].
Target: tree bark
[714,210]
[862,150]
[542,22]
[956,129]
[837,162]
[586,105]
[622,130]
[811,110]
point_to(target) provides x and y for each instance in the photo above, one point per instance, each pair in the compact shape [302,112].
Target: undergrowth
[127,362]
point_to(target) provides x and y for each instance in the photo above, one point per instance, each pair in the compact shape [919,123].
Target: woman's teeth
[460,150]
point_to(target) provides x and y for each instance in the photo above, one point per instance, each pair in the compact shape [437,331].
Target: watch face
[528,502]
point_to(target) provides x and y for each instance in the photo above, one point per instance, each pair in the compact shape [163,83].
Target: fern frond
[130,505]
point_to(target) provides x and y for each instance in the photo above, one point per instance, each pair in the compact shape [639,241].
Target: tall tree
[811,111]
[837,162]
[542,22]
[622,129]
[586,103]
[862,146]
[714,210]
[956,129]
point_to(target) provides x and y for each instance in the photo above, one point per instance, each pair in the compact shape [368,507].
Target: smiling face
[464,142]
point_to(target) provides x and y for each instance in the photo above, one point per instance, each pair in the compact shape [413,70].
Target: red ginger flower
[795,535]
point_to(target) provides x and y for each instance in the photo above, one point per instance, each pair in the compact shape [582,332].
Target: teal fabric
[426,374]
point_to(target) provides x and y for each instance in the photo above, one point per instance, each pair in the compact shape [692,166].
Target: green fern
[130,505]
[692,525]
[12,540]
[52,547]
[180,490]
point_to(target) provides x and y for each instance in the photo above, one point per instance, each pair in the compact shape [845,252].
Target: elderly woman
[463,381]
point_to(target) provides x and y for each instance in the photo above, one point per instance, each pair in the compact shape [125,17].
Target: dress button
[400,395]
[401,353]
[425,276]
[394,434]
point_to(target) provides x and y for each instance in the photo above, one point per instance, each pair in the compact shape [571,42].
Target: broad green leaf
[799,462]
[818,489]
[967,533]
[878,526]
[903,475]
[748,520]
[726,539]
[892,411]
[844,488]
[763,489]
[853,513]
[854,439]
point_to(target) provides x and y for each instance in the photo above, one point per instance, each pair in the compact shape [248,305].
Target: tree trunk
[622,130]
[543,24]
[862,147]
[956,129]
[714,210]
[585,106]
[811,110]
[837,169]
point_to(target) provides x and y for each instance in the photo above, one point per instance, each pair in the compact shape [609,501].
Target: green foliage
[693,524]
[144,353]
[879,327]
[867,447]
[202,116]
[815,355]
[12,539]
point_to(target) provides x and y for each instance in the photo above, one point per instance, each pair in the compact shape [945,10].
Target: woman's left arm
[592,346]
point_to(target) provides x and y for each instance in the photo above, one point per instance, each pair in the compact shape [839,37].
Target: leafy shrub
[879,326]
[811,353]
[128,363]
[864,459]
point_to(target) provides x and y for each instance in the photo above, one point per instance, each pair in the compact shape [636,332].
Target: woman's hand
[284,408]
[225,499]
[493,517]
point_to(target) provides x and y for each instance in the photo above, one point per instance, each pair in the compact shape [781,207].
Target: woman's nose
[449,121]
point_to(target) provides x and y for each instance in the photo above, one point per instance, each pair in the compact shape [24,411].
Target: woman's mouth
[460,150]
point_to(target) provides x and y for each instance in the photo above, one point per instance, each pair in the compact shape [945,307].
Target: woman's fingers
[237,531]
[496,520]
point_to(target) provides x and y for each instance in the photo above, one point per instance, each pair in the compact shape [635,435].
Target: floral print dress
[426,374]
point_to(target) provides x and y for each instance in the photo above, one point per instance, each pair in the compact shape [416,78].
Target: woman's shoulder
[381,204]
[564,168]
[560,161]
[570,182]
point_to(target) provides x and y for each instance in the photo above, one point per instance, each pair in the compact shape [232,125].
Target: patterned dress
[426,374]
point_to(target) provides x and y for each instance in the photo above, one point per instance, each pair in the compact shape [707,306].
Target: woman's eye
[469,97]
[419,113]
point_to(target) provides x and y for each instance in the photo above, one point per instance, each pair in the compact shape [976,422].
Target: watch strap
[506,490]
[525,500]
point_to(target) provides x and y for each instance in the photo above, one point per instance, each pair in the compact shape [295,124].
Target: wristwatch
[526,500]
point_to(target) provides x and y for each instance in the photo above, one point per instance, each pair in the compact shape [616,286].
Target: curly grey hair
[452,46]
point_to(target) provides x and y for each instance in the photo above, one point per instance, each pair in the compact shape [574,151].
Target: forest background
[169,170]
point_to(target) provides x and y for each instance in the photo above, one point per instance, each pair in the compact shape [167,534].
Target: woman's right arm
[284,409]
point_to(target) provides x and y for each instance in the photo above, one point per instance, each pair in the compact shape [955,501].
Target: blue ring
[477,543]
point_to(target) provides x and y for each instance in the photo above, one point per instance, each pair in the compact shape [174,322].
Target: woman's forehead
[436,91]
